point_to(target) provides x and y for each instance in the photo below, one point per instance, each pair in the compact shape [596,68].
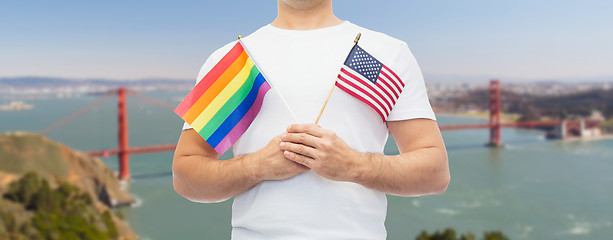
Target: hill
[22,152]
[532,107]
[51,86]
[46,185]
[37,82]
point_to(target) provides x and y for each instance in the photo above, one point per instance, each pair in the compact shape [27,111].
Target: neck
[313,17]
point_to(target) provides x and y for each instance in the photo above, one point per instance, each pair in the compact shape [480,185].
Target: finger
[298,148]
[311,129]
[301,138]
[297,158]
[300,166]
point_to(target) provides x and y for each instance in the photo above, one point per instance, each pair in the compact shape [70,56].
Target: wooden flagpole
[357,38]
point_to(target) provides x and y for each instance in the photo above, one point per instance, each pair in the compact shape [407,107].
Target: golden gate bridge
[123,150]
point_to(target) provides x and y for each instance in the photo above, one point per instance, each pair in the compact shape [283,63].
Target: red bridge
[123,151]
[495,123]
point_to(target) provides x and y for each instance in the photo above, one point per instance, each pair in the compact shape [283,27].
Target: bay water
[529,189]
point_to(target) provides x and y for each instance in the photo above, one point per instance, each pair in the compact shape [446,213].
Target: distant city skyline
[511,40]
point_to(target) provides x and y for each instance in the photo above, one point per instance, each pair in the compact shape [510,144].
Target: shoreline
[505,117]
[591,138]
[448,114]
[513,118]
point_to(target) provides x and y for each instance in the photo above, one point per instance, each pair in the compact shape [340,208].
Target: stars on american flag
[370,81]
[365,64]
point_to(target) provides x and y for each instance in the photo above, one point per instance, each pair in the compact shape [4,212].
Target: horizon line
[429,78]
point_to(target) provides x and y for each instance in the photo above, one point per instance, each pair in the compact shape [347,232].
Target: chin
[304,4]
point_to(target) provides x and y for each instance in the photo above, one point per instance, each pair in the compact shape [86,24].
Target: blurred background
[523,92]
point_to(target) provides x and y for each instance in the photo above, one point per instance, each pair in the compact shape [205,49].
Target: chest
[302,70]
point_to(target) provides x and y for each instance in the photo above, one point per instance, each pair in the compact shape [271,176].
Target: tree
[62,213]
[450,234]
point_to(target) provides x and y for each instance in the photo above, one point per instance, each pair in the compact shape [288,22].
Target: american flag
[370,81]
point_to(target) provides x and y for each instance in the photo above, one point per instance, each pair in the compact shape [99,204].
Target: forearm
[419,172]
[199,176]
[205,179]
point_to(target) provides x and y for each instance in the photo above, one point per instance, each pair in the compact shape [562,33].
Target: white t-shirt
[303,66]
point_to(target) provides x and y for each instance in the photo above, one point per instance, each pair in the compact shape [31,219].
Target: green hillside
[49,191]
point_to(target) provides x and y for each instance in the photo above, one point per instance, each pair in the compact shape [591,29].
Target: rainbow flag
[226,101]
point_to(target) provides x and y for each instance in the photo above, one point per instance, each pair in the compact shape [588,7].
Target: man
[327,181]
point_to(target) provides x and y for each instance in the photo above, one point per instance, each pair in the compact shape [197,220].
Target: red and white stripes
[380,96]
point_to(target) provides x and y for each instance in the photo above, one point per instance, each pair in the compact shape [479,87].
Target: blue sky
[471,39]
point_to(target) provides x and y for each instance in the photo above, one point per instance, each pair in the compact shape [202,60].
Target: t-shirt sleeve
[208,65]
[413,101]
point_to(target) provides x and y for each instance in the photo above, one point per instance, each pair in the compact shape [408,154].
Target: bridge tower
[123,154]
[495,109]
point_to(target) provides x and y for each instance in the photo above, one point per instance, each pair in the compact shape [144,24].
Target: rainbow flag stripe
[226,101]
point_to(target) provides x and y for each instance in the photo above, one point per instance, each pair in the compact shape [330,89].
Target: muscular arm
[199,175]
[420,168]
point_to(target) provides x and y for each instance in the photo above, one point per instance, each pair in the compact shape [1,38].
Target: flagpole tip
[239,36]
[357,38]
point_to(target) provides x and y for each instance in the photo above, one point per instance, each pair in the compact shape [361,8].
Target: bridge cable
[151,100]
[76,114]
